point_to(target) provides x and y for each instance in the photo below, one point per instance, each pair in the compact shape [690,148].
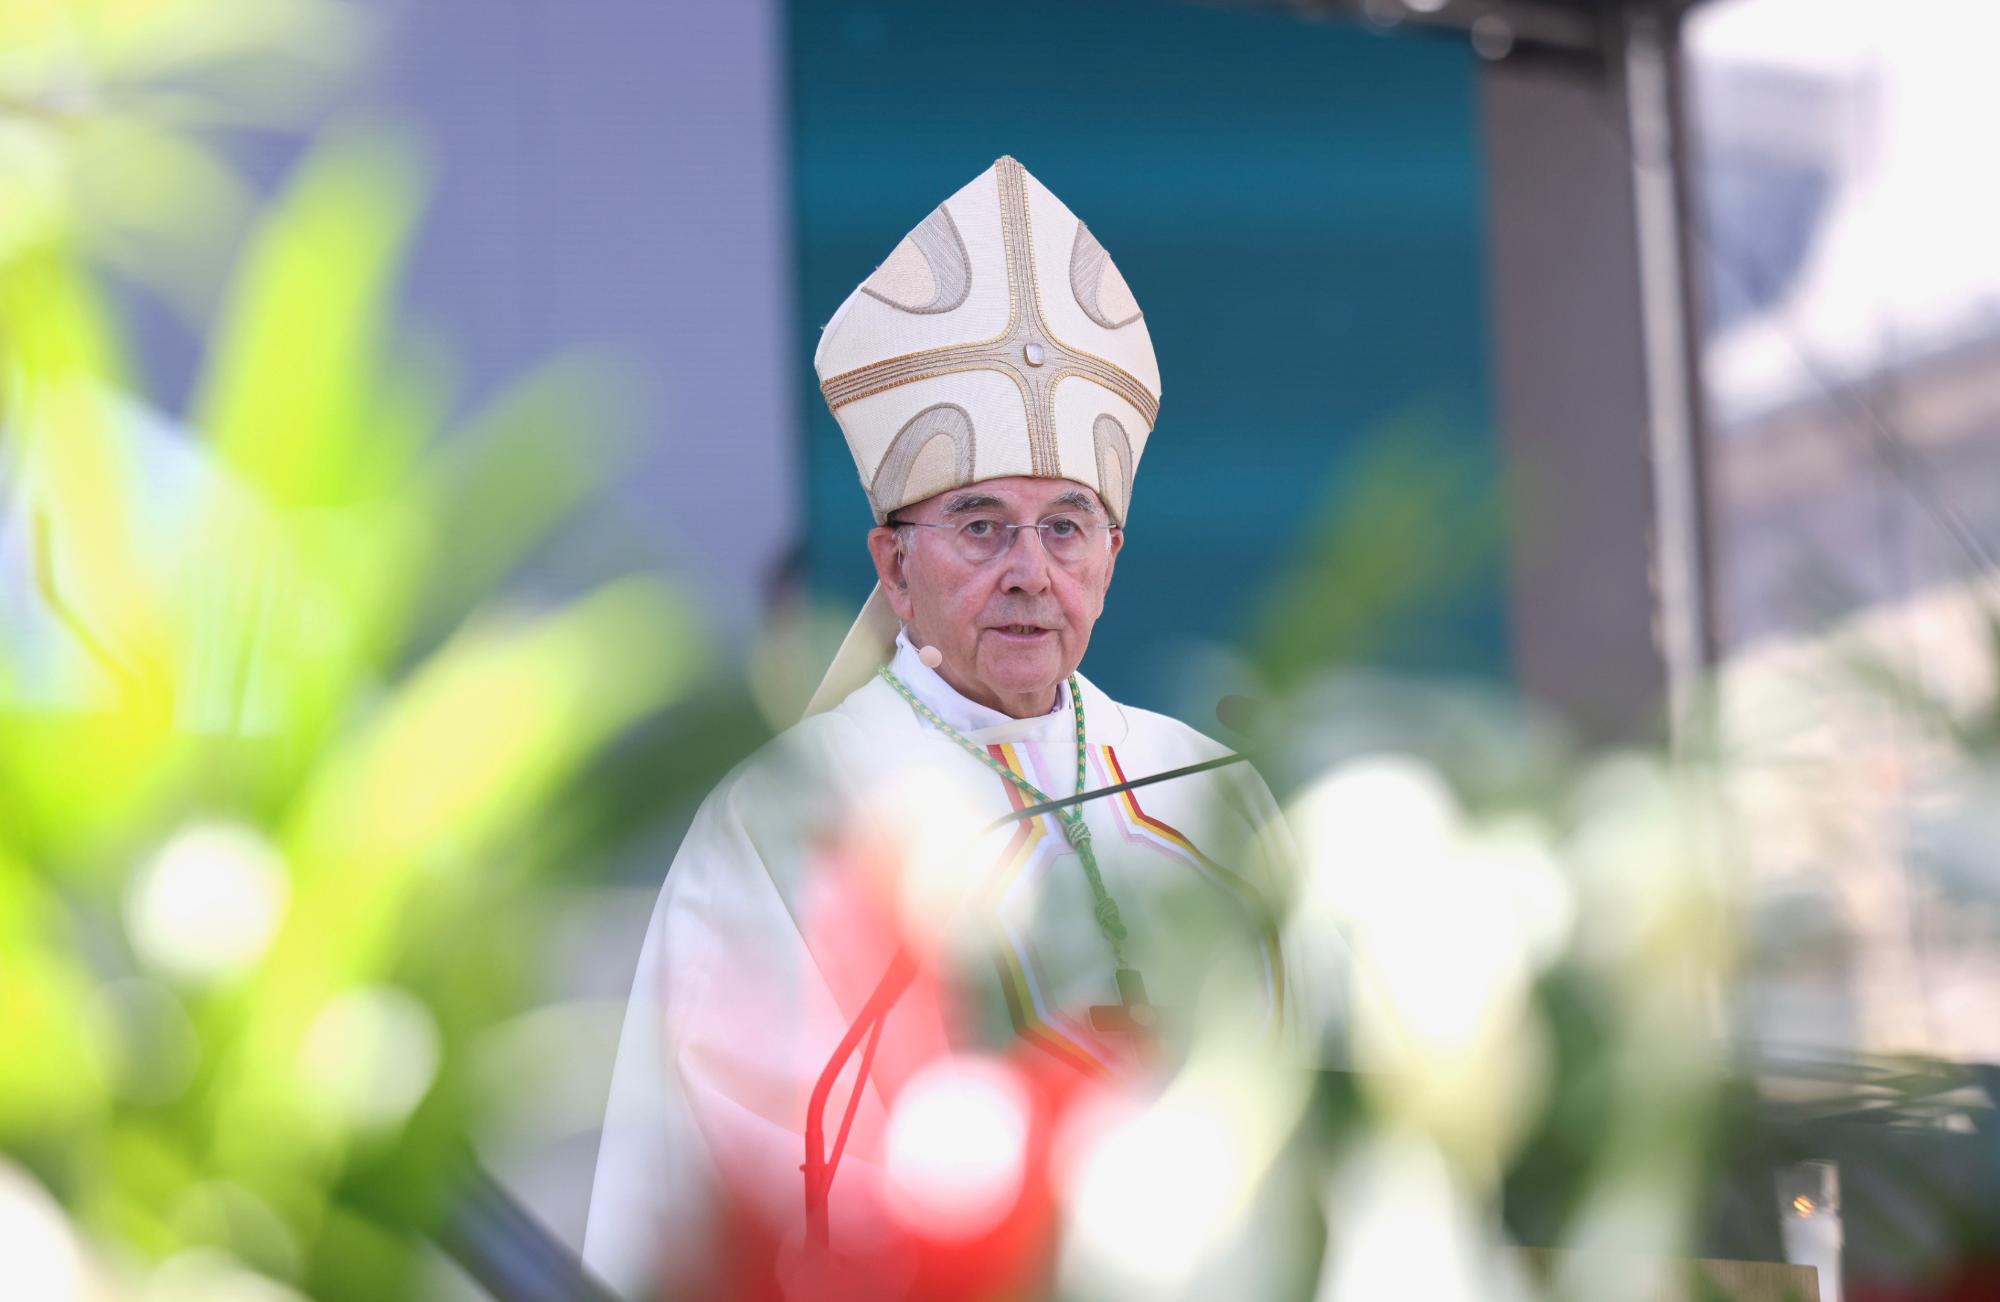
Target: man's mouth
[1020,630]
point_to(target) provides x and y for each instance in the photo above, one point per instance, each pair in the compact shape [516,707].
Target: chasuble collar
[954,708]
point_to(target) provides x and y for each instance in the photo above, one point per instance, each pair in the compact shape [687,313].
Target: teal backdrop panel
[1297,207]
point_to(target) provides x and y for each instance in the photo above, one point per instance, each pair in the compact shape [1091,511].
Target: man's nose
[1027,562]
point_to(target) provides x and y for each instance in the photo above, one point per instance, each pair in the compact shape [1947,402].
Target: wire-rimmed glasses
[1068,538]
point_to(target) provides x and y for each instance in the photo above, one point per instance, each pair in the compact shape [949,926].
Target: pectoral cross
[1133,1014]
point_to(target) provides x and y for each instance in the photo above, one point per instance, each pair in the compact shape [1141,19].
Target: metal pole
[1650,48]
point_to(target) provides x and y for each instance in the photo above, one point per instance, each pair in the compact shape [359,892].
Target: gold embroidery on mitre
[913,457]
[1007,351]
[1114,463]
[1099,289]
[934,255]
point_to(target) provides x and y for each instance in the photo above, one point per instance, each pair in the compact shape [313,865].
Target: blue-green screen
[1297,207]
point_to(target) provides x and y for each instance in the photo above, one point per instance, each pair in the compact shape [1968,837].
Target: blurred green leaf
[294,398]
[1417,525]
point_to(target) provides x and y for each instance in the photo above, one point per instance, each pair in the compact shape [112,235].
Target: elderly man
[996,383]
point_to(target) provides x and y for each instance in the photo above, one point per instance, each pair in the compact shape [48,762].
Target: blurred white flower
[207,906]
[1449,926]
[1159,1195]
[1150,1196]
[938,820]
[40,1252]
[1363,827]
[1398,1226]
[957,1148]
[369,1057]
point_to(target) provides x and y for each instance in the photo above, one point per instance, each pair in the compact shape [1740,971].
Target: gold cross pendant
[1133,1014]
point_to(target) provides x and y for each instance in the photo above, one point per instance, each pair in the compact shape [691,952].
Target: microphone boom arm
[1050,806]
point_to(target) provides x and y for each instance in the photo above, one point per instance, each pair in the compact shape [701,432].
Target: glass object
[1067,538]
[1809,1221]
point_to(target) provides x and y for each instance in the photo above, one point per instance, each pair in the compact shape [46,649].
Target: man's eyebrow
[1075,497]
[964,502]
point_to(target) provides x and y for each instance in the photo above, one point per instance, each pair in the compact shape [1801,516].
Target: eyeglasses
[1068,539]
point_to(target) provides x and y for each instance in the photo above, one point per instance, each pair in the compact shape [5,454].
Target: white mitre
[998,339]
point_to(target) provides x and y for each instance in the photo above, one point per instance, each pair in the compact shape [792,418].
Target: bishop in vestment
[996,383]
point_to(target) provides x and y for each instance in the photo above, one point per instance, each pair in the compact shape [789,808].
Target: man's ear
[885,548]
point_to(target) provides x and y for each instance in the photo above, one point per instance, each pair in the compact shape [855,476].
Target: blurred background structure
[1634,363]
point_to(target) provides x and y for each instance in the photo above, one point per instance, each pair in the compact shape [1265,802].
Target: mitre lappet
[998,339]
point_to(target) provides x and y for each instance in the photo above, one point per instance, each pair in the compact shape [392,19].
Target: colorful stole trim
[1143,827]
[1033,846]
[1032,1012]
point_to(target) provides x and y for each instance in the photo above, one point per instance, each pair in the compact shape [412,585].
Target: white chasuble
[774,926]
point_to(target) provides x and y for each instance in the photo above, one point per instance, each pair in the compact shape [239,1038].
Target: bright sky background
[1908,260]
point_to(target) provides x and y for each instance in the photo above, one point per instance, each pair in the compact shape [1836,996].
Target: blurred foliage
[282,773]
[287,781]
[1413,536]
[109,114]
